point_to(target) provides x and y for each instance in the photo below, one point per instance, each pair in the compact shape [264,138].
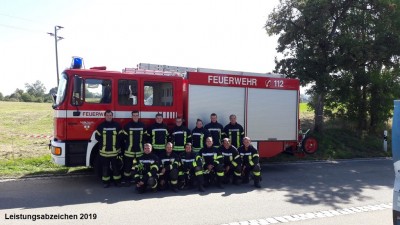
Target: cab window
[158,93]
[98,91]
[62,86]
[127,92]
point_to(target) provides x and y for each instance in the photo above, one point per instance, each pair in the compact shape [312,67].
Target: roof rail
[181,69]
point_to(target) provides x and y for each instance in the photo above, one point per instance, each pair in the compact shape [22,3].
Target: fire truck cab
[266,105]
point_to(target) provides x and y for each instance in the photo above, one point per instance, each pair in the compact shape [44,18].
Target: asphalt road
[324,192]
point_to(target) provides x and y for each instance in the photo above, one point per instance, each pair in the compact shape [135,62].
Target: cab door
[88,107]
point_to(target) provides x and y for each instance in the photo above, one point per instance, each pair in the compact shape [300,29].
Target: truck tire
[310,145]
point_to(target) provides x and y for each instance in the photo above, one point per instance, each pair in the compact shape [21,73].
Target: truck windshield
[62,86]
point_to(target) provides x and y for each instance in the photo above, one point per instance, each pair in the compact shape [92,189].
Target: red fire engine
[267,105]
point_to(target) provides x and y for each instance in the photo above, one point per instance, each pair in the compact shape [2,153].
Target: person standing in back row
[180,136]
[215,129]
[134,135]
[234,131]
[199,136]
[158,135]
[108,135]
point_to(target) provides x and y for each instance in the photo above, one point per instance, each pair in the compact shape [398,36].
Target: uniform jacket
[249,157]
[158,135]
[235,132]
[199,136]
[108,135]
[134,138]
[216,132]
[211,156]
[180,136]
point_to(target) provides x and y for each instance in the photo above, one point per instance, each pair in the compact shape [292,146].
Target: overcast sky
[219,34]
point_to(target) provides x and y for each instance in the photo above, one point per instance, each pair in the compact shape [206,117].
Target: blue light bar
[76,63]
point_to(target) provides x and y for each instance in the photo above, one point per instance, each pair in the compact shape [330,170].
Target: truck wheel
[310,145]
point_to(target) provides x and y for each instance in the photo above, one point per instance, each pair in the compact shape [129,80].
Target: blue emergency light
[76,63]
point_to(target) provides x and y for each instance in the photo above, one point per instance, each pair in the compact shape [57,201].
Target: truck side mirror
[77,92]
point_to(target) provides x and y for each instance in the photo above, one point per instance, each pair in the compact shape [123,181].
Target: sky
[218,34]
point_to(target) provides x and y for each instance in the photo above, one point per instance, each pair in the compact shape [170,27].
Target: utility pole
[56,39]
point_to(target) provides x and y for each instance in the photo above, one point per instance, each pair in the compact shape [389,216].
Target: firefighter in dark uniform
[146,170]
[232,162]
[134,136]
[199,136]
[158,135]
[215,129]
[250,162]
[212,163]
[234,131]
[169,169]
[108,135]
[180,136]
[191,169]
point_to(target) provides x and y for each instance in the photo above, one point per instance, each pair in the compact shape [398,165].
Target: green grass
[21,154]
[19,120]
[34,166]
[304,108]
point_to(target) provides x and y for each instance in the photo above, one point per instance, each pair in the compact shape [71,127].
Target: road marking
[314,215]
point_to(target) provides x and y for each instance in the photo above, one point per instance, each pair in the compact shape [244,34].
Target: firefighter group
[156,159]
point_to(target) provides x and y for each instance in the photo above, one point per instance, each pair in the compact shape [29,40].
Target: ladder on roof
[182,70]
[152,72]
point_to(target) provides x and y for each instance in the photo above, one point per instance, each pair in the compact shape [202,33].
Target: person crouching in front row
[146,170]
[169,166]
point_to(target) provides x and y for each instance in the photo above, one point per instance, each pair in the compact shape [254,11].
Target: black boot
[200,181]
[219,183]
[126,181]
[117,183]
[245,180]
[140,190]
[225,179]
[236,180]
[257,182]
[174,188]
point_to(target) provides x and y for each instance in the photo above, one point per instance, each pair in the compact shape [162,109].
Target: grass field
[22,155]
[19,121]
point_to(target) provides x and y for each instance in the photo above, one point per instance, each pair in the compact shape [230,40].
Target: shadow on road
[330,183]
[312,184]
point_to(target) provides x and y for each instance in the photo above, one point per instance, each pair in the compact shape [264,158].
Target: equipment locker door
[272,114]
[224,101]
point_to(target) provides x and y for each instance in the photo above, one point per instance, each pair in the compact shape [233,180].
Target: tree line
[349,51]
[35,92]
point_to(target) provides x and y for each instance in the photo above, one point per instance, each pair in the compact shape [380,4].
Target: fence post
[385,140]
